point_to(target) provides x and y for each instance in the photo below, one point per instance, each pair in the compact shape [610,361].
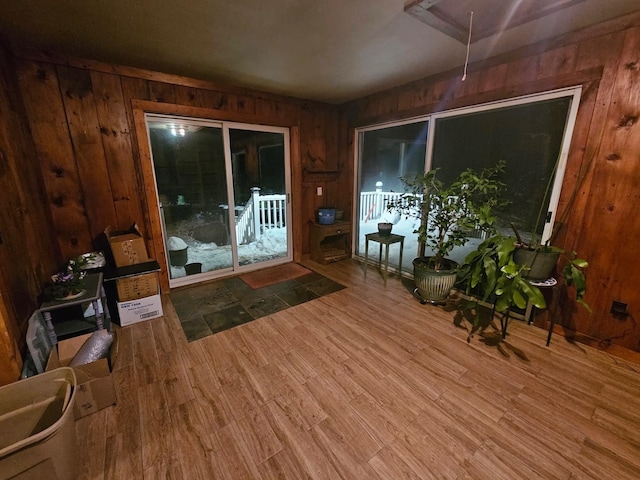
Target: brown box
[128,247]
[139,286]
[95,389]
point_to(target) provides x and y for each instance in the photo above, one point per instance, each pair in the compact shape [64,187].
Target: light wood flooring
[364,383]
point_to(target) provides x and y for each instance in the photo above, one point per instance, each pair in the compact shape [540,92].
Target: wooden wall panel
[493,78]
[45,110]
[599,200]
[122,175]
[613,204]
[186,95]
[218,100]
[162,92]
[137,88]
[557,61]
[84,130]
[28,251]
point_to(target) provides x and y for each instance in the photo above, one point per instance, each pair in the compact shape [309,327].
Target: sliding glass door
[530,134]
[222,195]
[386,154]
[260,174]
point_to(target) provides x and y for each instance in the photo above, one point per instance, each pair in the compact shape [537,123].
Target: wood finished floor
[364,383]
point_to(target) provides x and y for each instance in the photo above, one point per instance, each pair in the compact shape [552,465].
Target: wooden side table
[330,243]
[94,294]
[383,240]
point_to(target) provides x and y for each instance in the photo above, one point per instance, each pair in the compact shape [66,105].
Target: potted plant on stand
[449,216]
[507,271]
[493,274]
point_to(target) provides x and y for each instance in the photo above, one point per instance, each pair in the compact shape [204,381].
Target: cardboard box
[139,310]
[139,286]
[127,247]
[95,389]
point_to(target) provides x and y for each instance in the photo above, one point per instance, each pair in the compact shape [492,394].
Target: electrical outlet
[619,308]
[319,191]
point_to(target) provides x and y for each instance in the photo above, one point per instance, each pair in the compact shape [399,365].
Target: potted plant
[70,283]
[65,286]
[449,215]
[492,274]
[540,258]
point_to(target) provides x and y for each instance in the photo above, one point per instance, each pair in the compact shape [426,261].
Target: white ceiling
[326,50]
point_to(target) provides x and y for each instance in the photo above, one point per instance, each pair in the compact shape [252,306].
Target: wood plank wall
[82,122]
[79,169]
[600,204]
[28,251]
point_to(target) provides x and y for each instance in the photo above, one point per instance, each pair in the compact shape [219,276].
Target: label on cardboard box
[139,310]
[95,389]
[138,286]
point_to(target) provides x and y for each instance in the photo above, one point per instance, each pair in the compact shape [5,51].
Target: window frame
[575,92]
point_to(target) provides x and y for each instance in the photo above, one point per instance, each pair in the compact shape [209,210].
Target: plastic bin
[326,216]
[38,430]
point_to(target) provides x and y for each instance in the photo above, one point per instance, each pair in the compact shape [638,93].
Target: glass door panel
[386,154]
[528,137]
[259,169]
[190,170]
[222,195]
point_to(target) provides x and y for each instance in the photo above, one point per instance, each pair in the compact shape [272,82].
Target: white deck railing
[374,204]
[245,231]
[260,212]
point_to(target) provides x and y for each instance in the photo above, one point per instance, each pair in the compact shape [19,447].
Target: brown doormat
[273,275]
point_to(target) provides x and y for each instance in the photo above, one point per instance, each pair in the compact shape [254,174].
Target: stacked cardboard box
[138,293]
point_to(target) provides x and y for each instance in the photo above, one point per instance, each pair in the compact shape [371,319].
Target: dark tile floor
[212,307]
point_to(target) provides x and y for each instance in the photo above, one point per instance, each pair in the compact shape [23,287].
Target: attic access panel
[451,17]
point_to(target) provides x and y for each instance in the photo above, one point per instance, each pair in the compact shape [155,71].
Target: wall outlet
[319,191]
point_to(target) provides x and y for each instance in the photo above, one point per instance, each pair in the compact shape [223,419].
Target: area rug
[271,276]
[216,306]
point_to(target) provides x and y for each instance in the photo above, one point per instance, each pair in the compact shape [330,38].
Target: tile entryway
[216,306]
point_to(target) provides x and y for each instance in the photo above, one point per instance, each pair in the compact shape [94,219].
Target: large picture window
[531,134]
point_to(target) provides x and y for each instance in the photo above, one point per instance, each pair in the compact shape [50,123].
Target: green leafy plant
[69,282]
[573,271]
[64,284]
[450,214]
[491,275]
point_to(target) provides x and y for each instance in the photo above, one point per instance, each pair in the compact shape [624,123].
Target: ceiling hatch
[451,17]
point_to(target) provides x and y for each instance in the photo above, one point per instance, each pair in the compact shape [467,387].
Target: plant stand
[528,313]
[416,293]
[504,322]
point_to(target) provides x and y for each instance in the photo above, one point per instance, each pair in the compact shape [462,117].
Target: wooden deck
[364,383]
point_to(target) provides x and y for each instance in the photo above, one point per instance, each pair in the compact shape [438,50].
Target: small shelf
[330,243]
